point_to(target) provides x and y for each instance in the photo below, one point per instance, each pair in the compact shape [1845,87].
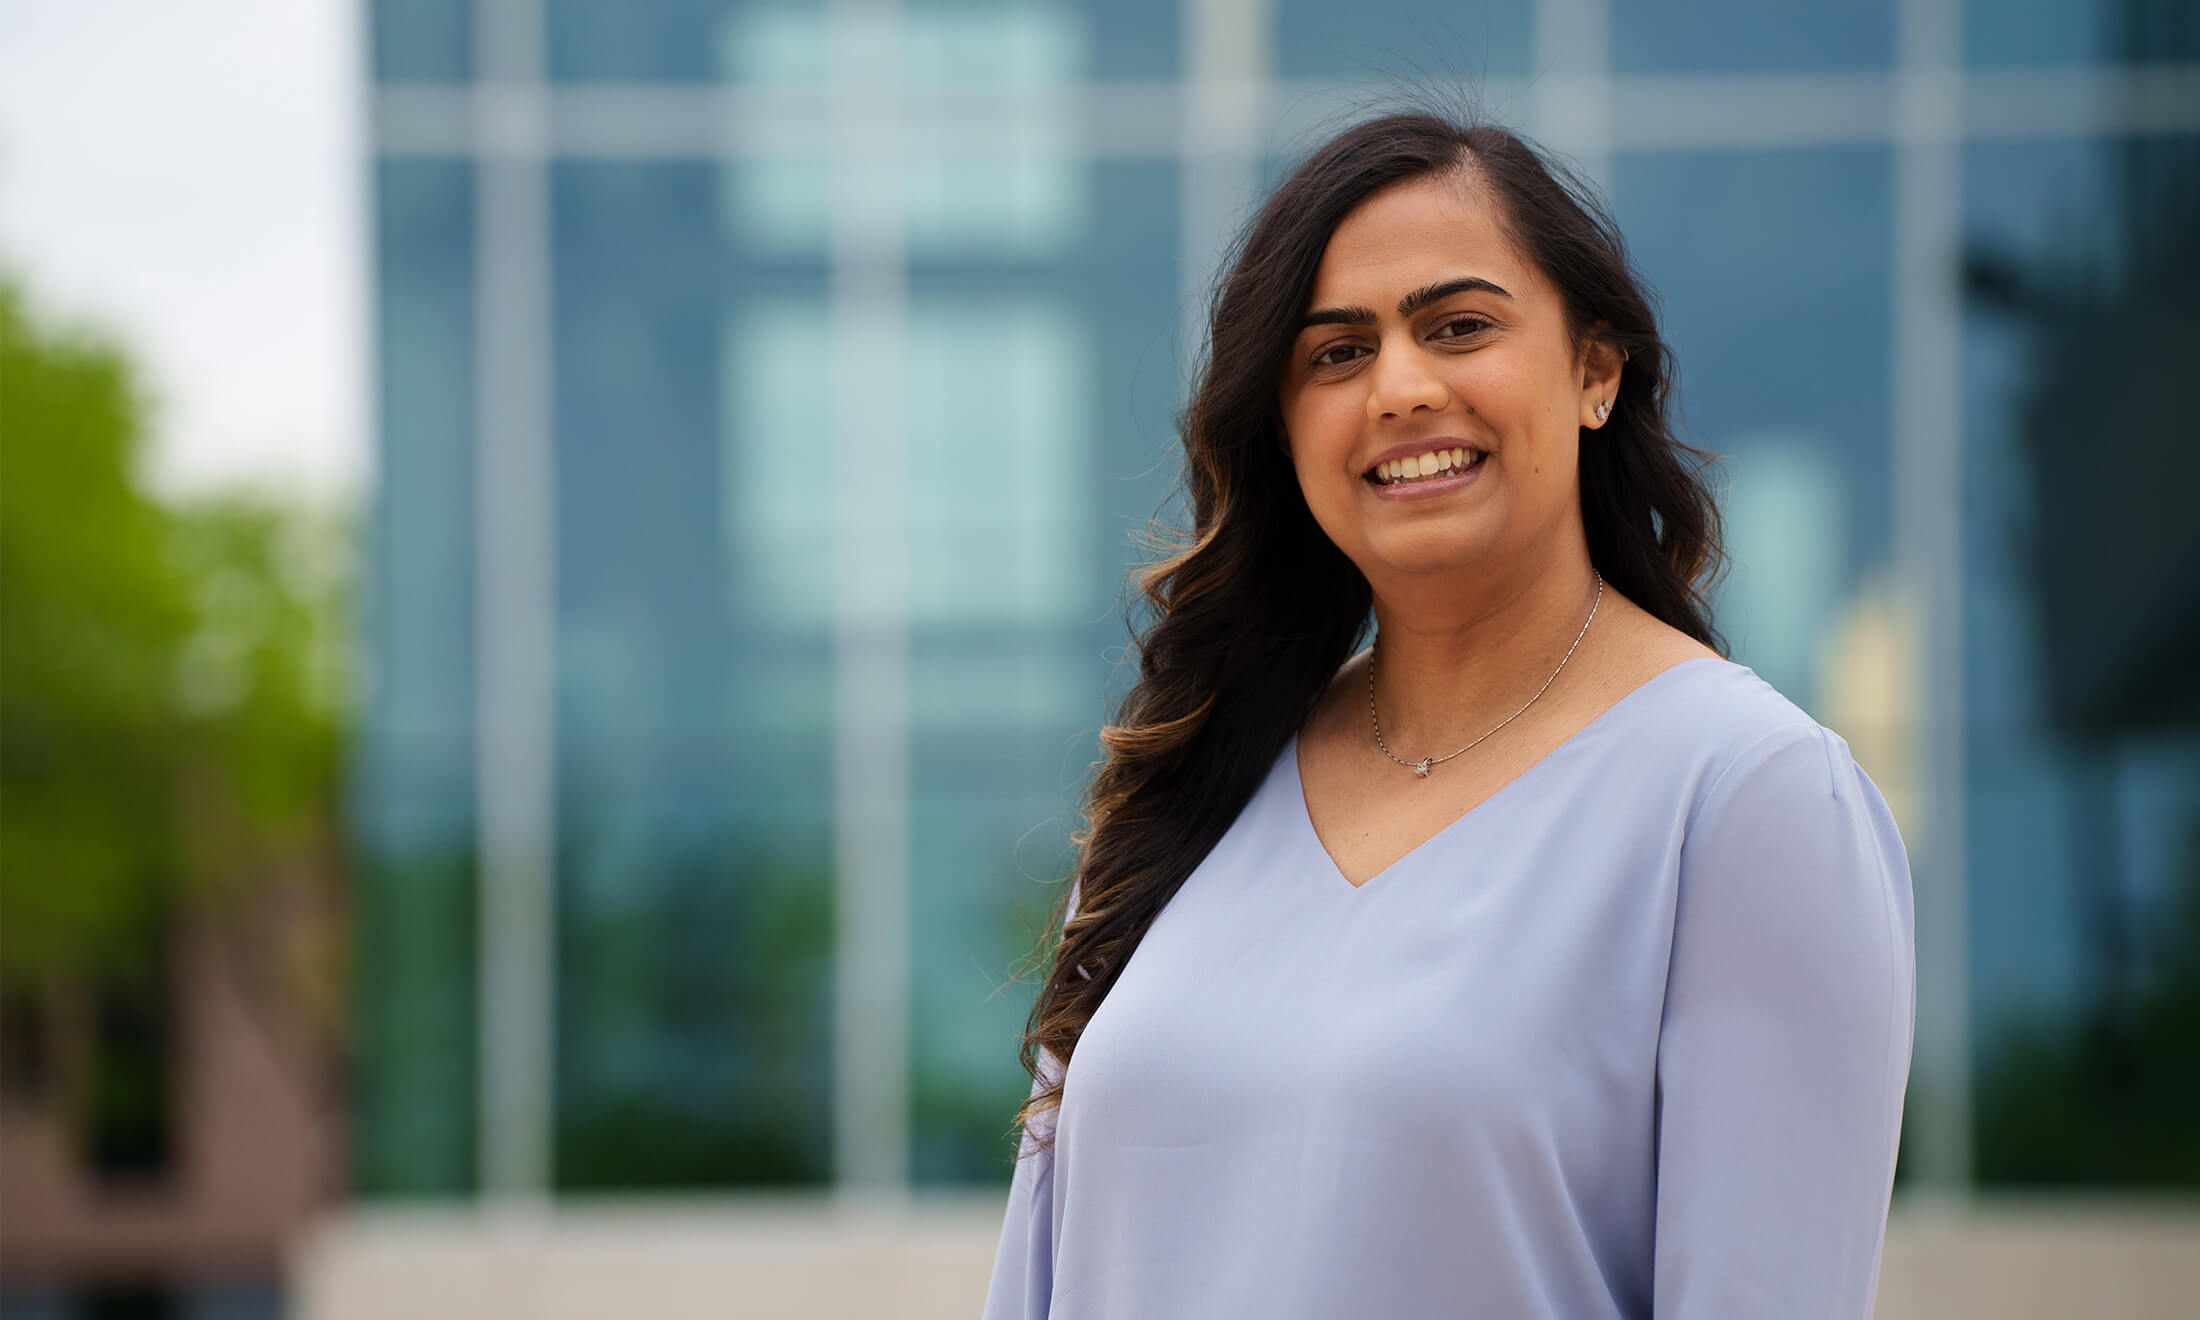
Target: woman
[1534,961]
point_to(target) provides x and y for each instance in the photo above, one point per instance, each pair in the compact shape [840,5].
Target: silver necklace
[1420,767]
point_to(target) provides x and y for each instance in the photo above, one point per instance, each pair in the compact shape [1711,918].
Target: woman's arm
[1785,1045]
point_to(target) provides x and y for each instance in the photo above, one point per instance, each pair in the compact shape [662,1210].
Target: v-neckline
[1297,786]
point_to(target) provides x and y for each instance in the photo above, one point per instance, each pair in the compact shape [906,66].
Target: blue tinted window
[696,662]
[2080,779]
[1776,268]
[2017,33]
[693,832]
[421,40]
[2020,33]
[421,700]
[685,41]
[1133,40]
[1724,36]
[1005,712]
[637,41]
[989,823]
[997,184]
[994,413]
[1409,38]
[413,1095]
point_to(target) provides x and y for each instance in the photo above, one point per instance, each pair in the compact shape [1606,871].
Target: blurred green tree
[172,696]
[93,620]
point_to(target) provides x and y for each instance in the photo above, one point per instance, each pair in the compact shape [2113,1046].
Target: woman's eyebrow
[1422,297]
[1407,306]
[1338,316]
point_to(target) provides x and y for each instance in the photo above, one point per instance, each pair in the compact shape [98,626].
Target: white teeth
[1456,459]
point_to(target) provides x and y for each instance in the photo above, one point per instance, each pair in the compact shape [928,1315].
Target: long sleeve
[1784,1048]
[1023,1263]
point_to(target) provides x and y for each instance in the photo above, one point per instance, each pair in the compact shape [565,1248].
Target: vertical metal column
[869,298]
[1229,57]
[1572,96]
[514,635]
[1928,517]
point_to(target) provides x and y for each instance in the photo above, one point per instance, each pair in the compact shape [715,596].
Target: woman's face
[1433,400]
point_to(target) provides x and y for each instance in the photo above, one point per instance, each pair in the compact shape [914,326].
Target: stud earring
[1602,409]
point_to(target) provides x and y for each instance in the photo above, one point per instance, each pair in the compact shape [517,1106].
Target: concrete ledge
[786,1256]
[818,1258]
[2043,1259]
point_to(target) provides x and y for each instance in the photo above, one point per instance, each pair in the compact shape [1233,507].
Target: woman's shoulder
[1726,741]
[1727,727]
[1710,712]
[1725,703]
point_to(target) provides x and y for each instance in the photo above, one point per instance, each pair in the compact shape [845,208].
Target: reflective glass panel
[413,1097]
[1751,36]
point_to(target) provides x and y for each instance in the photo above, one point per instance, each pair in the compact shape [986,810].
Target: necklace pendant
[1421,769]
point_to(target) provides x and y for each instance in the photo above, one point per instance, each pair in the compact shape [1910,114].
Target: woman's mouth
[1433,466]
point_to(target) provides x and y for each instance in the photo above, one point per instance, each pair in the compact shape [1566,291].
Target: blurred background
[561,564]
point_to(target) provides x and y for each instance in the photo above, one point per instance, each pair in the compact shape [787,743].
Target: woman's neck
[1452,661]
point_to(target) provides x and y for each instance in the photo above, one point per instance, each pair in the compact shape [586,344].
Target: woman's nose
[1402,382]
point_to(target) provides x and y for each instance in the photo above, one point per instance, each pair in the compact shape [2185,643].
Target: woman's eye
[1336,355]
[1460,327]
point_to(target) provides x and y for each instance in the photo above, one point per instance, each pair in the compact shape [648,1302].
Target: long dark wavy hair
[1254,609]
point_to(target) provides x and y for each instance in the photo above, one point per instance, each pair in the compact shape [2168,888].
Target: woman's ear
[1601,364]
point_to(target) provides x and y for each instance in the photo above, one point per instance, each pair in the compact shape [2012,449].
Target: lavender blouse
[1628,1039]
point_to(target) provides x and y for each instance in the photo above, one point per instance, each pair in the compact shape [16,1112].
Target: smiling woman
[1574,975]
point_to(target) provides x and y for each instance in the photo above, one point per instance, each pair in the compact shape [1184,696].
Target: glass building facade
[768,395]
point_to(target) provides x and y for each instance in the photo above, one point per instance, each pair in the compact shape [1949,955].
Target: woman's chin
[1425,552]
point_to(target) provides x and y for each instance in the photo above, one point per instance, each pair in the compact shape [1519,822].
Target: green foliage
[170,686]
[697,1030]
[414,1098]
[263,676]
[2110,1102]
[95,617]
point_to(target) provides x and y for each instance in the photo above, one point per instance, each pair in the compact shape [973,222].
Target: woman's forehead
[1415,233]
